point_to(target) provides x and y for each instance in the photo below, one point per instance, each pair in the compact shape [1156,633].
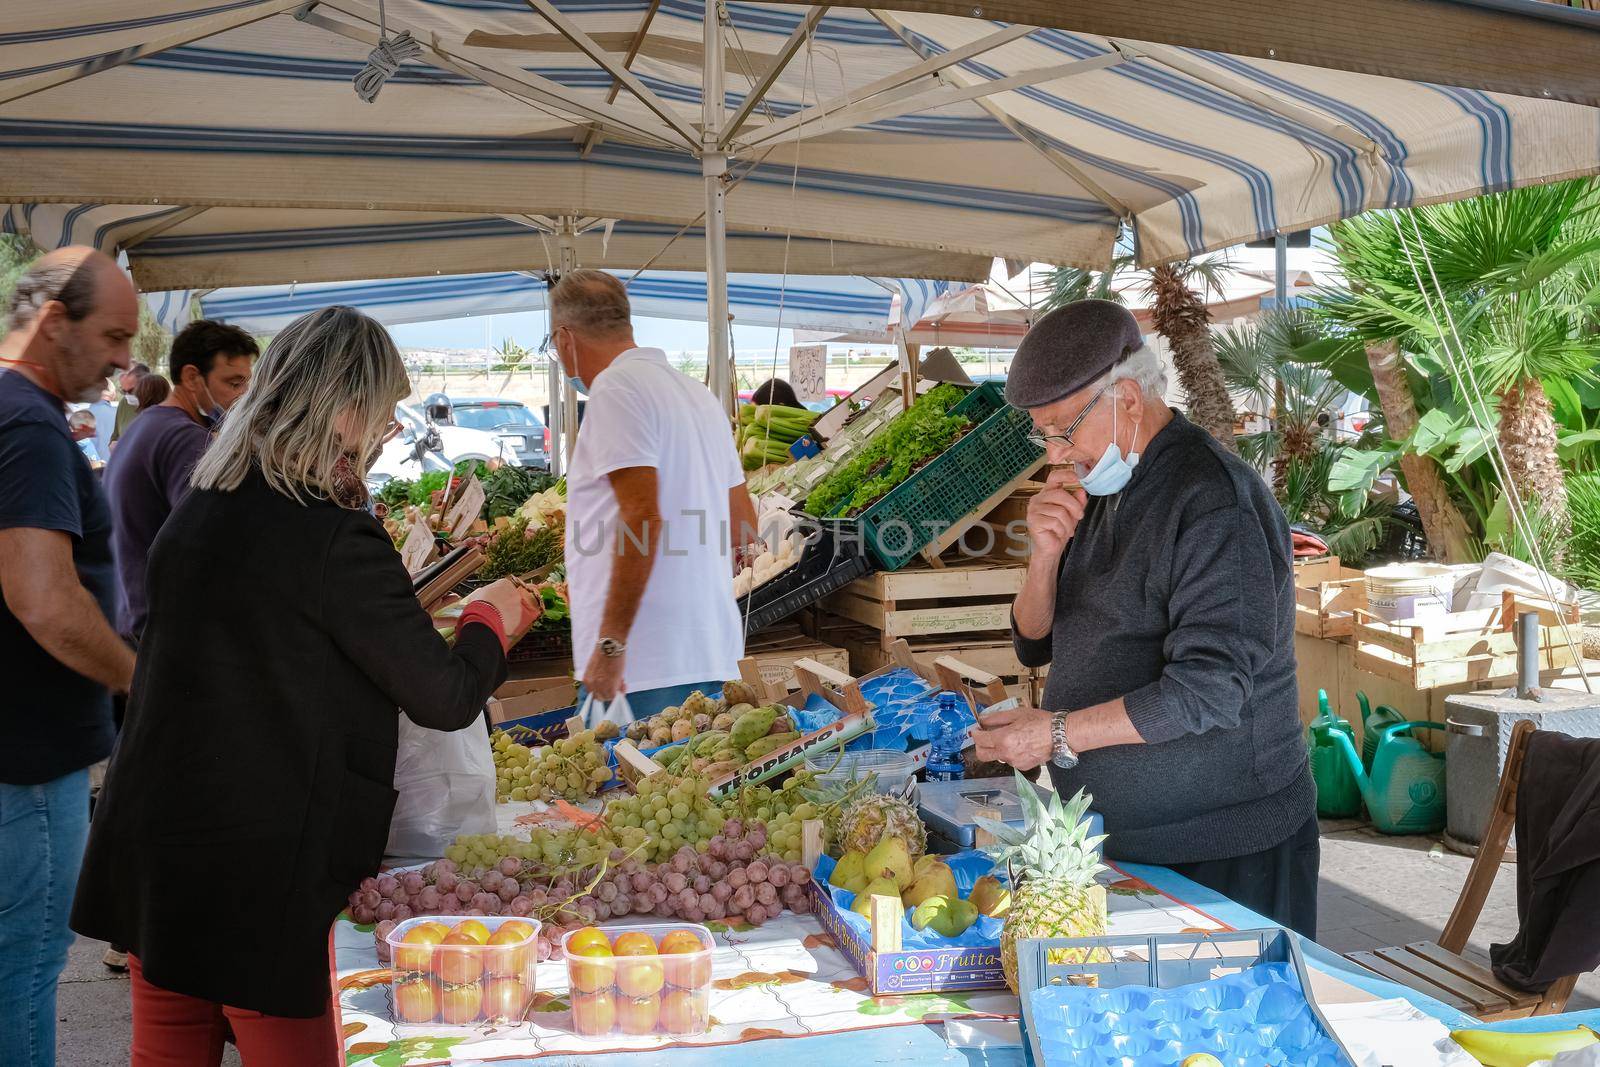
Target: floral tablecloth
[785,979]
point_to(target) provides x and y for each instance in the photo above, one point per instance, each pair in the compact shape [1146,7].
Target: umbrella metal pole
[554,389]
[1280,269]
[569,395]
[714,165]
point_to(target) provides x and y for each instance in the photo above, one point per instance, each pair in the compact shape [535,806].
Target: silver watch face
[1065,760]
[610,646]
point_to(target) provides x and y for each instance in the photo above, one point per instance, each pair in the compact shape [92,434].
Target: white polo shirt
[643,413]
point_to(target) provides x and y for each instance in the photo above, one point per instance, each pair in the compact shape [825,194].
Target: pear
[889,859]
[926,911]
[849,873]
[990,897]
[926,863]
[878,887]
[955,917]
[932,880]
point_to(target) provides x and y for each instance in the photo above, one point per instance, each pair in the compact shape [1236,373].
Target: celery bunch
[767,430]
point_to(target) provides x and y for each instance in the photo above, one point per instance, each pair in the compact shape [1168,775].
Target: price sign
[466,509]
[417,550]
[808,366]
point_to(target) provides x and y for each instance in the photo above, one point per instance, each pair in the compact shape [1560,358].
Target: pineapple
[872,817]
[1052,865]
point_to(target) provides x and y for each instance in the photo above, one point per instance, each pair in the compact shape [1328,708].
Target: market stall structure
[1195,135]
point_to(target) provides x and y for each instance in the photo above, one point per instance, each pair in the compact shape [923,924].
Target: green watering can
[1371,723]
[1338,795]
[1404,790]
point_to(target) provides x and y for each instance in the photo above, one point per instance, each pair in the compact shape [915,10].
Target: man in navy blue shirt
[149,475]
[72,317]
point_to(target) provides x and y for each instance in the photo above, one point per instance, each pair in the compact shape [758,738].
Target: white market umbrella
[881,126]
[794,302]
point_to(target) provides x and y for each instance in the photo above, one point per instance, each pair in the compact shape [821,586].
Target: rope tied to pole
[384,60]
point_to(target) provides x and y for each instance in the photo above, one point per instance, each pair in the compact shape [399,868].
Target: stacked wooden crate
[774,652]
[961,610]
[1412,665]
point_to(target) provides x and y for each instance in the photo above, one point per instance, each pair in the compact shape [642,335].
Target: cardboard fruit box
[882,959]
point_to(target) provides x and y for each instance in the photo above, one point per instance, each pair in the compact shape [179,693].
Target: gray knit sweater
[1177,594]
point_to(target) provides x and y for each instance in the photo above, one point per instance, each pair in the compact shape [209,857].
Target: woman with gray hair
[251,789]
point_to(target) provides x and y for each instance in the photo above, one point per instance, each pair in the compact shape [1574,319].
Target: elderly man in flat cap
[1160,592]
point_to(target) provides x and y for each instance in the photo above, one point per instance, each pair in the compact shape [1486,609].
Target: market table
[901,1034]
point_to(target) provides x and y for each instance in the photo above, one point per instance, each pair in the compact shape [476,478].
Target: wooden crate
[994,657]
[775,652]
[1330,663]
[1327,596]
[1461,646]
[972,597]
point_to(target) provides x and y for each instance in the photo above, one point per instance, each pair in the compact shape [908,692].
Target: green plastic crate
[911,515]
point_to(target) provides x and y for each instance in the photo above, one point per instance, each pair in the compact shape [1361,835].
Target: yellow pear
[924,864]
[990,897]
[889,859]
[955,918]
[924,915]
[878,887]
[849,873]
[932,880]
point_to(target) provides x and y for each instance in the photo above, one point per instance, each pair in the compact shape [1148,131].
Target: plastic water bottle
[944,755]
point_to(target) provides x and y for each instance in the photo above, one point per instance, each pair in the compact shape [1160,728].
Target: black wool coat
[252,786]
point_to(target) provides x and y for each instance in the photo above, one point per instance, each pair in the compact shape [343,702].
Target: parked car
[510,420]
[425,445]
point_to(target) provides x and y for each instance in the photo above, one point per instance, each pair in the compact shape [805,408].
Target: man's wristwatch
[1061,753]
[611,648]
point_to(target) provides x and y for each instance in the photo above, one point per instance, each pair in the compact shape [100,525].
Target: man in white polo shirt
[654,493]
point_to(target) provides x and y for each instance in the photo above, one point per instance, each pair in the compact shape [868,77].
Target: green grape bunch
[572,768]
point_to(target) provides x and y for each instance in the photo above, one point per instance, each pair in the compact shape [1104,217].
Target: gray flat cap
[1068,349]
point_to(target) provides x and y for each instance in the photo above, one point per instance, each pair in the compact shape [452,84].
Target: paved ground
[1376,891]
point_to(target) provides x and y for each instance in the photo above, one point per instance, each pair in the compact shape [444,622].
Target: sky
[528,329]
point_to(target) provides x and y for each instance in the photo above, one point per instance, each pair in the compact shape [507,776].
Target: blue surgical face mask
[1111,471]
[577,385]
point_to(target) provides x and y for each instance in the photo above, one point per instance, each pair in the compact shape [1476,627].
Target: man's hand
[1054,513]
[603,675]
[1019,737]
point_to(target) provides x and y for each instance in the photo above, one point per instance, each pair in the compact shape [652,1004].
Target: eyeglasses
[1040,440]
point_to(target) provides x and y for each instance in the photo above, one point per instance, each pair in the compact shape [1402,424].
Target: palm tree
[1180,315]
[1261,360]
[1499,293]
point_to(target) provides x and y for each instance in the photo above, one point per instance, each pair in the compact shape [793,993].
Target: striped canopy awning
[191,248]
[794,302]
[921,131]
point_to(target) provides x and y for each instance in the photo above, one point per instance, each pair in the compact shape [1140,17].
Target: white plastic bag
[446,784]
[596,711]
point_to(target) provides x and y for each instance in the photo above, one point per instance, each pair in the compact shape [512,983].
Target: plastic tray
[1238,995]
[893,770]
[461,986]
[669,993]
[541,644]
[826,565]
[949,807]
[950,486]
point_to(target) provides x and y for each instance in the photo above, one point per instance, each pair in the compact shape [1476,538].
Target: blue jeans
[647,702]
[42,833]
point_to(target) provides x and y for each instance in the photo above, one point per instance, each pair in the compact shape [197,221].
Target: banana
[1497,1048]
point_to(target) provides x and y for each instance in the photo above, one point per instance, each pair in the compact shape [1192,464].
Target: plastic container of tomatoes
[639,980]
[466,971]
